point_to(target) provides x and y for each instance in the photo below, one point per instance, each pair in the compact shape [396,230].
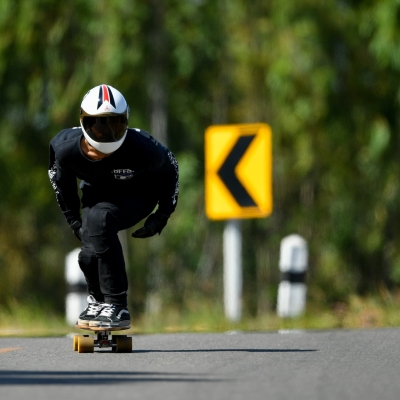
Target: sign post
[238,185]
[232,242]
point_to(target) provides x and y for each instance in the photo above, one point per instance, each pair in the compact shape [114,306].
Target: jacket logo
[122,174]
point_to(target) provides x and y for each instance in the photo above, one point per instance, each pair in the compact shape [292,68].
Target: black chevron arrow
[228,176]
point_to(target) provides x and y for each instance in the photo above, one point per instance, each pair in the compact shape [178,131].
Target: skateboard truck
[103,340]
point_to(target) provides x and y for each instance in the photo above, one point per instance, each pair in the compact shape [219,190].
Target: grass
[372,312]
[30,319]
[357,312]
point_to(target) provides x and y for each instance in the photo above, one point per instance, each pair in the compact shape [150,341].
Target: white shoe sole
[103,324]
[83,322]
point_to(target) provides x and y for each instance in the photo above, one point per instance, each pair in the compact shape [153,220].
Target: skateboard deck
[103,339]
[102,328]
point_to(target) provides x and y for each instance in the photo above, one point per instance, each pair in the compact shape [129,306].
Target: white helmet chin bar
[105,148]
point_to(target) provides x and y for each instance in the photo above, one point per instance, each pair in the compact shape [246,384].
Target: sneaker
[112,316]
[91,311]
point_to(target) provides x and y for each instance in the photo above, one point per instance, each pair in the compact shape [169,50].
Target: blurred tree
[324,75]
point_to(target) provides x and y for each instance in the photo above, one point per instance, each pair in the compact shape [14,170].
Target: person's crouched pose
[125,173]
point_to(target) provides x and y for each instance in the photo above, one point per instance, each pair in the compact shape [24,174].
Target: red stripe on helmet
[106,95]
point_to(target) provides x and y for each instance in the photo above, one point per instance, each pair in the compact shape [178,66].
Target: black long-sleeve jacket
[140,163]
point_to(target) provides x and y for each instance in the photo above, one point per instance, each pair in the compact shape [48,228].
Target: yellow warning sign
[238,176]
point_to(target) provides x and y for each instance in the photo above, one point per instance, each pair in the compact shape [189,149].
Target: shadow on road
[15,377]
[229,350]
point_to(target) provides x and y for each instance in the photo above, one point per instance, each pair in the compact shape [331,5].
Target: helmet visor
[105,129]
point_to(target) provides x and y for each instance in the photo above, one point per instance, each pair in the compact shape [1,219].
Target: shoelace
[108,310]
[94,308]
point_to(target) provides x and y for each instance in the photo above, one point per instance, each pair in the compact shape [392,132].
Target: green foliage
[324,75]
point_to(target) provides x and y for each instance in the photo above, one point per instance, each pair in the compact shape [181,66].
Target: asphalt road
[339,365]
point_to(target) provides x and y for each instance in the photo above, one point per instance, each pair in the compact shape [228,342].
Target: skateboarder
[124,175]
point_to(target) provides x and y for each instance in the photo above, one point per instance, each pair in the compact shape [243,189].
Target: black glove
[77,228]
[154,223]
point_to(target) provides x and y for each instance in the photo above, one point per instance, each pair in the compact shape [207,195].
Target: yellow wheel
[76,341]
[124,344]
[85,344]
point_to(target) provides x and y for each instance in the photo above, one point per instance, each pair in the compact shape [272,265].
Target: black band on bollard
[293,277]
[77,288]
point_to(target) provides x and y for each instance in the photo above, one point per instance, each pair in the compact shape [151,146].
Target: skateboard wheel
[76,342]
[123,344]
[85,344]
[114,341]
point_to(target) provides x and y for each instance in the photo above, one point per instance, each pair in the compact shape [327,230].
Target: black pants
[101,258]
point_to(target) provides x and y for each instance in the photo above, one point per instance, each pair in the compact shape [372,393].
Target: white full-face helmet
[104,118]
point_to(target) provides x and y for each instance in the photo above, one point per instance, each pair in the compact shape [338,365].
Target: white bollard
[293,266]
[76,300]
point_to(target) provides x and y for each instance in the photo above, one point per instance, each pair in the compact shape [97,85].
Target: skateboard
[103,339]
